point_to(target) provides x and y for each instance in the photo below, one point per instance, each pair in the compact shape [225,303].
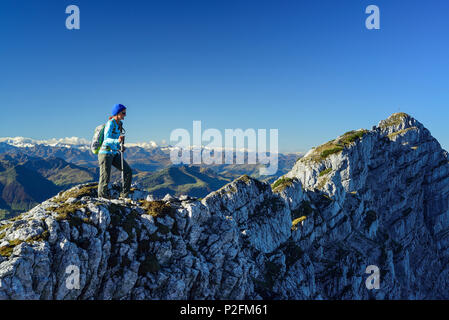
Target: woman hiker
[109,153]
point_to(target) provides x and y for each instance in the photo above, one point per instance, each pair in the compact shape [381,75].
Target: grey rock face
[387,205]
[378,197]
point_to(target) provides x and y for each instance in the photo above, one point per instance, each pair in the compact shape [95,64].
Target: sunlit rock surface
[370,197]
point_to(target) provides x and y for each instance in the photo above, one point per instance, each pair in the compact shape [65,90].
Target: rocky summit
[370,198]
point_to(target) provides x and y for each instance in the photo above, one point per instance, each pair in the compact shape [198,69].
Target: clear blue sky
[308,68]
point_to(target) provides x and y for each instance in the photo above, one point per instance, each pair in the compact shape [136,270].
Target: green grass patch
[352,136]
[324,172]
[297,221]
[394,120]
[394,134]
[330,151]
[191,180]
[66,209]
[74,221]
[40,237]
[335,146]
[322,182]
[7,250]
[245,178]
[5,226]
[3,214]
[89,191]
[157,208]
[281,184]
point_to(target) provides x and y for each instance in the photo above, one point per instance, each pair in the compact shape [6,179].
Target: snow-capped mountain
[23,142]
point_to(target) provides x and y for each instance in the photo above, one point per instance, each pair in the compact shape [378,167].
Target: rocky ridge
[370,197]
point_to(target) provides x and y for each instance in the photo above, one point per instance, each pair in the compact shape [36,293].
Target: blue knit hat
[117,109]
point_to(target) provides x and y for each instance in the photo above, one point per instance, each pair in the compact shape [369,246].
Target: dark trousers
[106,161]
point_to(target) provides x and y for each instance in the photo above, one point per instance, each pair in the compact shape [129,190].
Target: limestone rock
[370,197]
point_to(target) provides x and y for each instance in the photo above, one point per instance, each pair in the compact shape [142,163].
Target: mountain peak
[399,121]
[395,125]
[399,134]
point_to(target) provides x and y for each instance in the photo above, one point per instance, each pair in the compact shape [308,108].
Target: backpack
[98,138]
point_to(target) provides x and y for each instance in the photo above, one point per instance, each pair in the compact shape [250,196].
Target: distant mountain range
[145,156]
[32,171]
[27,180]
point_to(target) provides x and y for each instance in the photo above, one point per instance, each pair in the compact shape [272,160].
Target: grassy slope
[22,188]
[62,173]
[193,181]
[26,181]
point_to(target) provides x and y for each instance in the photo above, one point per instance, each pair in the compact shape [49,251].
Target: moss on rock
[67,209]
[400,132]
[281,184]
[335,146]
[157,208]
[297,221]
[393,120]
[87,190]
[324,172]
[7,250]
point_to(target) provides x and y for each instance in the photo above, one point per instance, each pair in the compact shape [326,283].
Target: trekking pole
[122,149]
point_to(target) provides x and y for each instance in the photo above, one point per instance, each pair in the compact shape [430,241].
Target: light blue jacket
[111,144]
